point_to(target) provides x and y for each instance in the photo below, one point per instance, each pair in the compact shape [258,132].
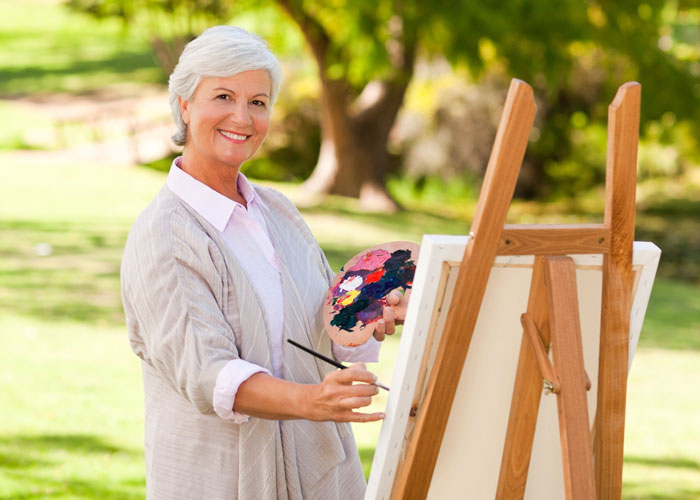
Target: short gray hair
[220,51]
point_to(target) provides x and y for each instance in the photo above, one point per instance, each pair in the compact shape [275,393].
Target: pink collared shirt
[244,231]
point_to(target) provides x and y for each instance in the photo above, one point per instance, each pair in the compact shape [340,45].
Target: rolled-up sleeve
[229,380]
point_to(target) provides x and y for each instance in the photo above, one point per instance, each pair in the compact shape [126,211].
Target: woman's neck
[221,178]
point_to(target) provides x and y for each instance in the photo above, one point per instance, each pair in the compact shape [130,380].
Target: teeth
[233,136]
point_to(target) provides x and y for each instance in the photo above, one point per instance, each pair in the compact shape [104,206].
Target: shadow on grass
[74,277]
[35,465]
[651,491]
[19,451]
[28,79]
[676,463]
[76,488]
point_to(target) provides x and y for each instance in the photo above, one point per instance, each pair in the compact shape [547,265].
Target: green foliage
[291,149]
[167,24]
[362,35]
[575,54]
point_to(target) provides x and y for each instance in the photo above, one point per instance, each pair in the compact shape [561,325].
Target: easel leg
[620,185]
[526,398]
[572,404]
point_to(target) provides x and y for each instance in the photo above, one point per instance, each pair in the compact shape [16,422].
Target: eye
[223,97]
[259,103]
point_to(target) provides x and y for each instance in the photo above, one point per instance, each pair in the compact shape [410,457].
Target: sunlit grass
[47,48]
[72,411]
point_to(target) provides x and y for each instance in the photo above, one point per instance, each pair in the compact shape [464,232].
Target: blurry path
[101,129]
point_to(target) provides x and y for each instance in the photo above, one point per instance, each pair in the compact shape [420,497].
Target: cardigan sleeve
[173,292]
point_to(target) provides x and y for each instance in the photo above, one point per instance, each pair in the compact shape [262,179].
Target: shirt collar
[213,206]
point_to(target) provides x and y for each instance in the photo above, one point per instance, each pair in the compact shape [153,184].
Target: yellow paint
[349,297]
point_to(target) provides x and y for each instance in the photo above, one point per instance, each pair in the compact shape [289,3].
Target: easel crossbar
[541,239]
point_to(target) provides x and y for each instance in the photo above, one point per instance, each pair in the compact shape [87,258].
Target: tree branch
[313,31]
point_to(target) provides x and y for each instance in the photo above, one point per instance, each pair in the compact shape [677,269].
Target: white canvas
[470,455]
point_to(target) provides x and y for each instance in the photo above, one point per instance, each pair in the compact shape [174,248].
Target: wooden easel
[590,471]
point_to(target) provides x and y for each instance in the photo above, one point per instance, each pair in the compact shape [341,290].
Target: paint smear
[350,283]
[348,298]
[371,260]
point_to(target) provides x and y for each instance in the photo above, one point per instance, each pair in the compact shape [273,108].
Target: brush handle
[329,360]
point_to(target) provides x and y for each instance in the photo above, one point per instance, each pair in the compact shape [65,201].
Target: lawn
[48,48]
[72,402]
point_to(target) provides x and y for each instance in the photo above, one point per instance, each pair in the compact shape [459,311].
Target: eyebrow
[263,94]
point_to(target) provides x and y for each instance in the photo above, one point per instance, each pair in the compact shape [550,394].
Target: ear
[184,110]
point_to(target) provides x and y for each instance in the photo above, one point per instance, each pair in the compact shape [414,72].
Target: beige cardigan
[190,308]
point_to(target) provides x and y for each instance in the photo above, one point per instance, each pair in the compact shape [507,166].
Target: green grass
[72,408]
[48,50]
[44,47]
[72,417]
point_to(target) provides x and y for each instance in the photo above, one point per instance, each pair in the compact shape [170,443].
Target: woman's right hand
[341,392]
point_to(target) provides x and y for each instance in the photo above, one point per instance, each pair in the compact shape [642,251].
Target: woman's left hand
[393,314]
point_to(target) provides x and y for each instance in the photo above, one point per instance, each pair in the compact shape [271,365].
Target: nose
[240,114]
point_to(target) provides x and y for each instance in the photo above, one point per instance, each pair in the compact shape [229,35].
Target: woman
[216,274]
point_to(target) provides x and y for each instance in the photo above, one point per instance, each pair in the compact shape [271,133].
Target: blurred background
[416,90]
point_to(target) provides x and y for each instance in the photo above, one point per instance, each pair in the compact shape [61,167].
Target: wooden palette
[357,296]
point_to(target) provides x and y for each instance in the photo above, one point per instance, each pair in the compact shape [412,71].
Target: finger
[356,373]
[362,390]
[394,297]
[356,402]
[389,321]
[354,416]
[401,306]
[369,417]
[379,330]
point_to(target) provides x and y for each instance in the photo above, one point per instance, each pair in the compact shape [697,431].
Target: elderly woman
[217,273]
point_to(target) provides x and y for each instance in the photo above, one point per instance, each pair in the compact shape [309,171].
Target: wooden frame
[613,239]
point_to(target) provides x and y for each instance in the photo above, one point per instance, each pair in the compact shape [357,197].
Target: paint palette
[357,296]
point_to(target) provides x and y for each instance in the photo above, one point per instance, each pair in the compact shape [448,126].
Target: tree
[574,53]
[365,55]
[366,50]
[168,25]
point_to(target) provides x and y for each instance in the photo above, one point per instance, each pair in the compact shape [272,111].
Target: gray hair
[220,51]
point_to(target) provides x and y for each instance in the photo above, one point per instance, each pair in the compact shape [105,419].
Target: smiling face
[227,120]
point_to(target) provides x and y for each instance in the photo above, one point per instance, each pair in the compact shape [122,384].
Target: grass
[72,401]
[71,425]
[48,50]
[45,47]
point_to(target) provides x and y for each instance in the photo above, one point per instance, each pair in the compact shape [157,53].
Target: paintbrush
[328,360]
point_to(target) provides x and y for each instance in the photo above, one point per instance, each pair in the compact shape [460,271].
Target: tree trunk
[353,159]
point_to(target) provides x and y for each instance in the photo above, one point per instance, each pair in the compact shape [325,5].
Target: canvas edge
[435,249]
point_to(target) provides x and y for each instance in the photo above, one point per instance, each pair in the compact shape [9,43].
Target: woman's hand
[394,314]
[340,393]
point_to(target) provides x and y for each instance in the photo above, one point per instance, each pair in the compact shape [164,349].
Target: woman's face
[227,118]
